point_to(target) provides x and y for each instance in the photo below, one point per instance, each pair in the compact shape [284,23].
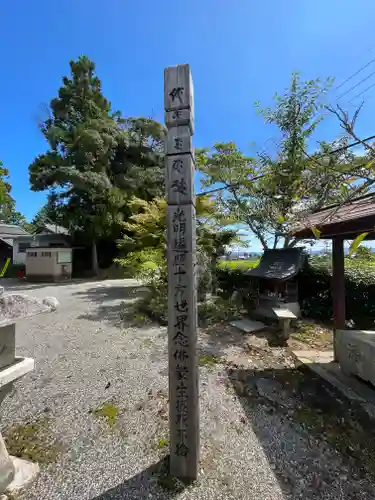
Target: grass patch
[238,264]
[163,443]
[313,334]
[29,442]
[160,444]
[209,360]
[148,343]
[109,412]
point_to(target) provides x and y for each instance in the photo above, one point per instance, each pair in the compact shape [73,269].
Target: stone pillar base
[7,469]
[15,473]
[24,473]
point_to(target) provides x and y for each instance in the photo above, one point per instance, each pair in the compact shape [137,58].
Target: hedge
[315,297]
[14,269]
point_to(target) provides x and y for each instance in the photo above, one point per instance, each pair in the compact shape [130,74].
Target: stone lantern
[14,472]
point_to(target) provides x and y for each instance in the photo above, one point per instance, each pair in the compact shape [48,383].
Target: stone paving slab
[248,325]
[321,362]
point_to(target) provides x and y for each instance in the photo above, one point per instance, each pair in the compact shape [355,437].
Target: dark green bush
[216,310]
[13,270]
[229,280]
[316,296]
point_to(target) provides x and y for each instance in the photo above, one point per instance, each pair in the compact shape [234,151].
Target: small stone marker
[182,289]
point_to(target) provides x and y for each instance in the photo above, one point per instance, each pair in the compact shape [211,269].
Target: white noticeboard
[64,257]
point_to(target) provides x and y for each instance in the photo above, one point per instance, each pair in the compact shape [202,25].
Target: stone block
[16,370]
[178,141]
[178,87]
[355,351]
[248,325]
[7,344]
[178,117]
[181,226]
[180,179]
[51,302]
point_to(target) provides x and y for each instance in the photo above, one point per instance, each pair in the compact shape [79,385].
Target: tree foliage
[96,159]
[364,254]
[271,193]
[8,212]
[144,241]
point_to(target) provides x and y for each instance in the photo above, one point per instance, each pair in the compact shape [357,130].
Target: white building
[52,236]
[8,237]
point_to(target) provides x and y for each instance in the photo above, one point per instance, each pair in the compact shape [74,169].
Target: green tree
[8,212]
[269,194]
[83,134]
[214,240]
[364,254]
[48,214]
[145,249]
[145,240]
[94,157]
[3,184]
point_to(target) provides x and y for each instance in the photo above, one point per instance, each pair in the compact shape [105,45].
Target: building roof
[348,220]
[43,237]
[279,264]
[54,228]
[10,231]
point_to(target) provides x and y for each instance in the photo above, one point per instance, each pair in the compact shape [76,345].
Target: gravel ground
[16,305]
[86,357]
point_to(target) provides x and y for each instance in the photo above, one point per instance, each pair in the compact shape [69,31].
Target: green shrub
[216,310]
[13,270]
[315,295]
[230,280]
[155,303]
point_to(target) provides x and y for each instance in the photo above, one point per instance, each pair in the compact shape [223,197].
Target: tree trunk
[258,234]
[286,241]
[94,257]
[213,274]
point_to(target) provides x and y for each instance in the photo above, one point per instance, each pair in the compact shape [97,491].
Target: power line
[356,85]
[355,74]
[338,150]
[363,91]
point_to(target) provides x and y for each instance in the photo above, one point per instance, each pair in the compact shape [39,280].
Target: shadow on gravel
[319,444]
[153,482]
[221,336]
[11,284]
[114,303]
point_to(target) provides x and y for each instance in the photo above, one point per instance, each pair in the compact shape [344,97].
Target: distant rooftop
[10,231]
[54,228]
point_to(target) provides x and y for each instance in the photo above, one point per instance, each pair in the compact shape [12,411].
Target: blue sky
[239,52]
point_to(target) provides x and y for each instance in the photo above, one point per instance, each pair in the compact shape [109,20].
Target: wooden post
[182,287]
[338,285]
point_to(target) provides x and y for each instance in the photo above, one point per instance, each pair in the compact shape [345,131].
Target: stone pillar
[7,469]
[182,286]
